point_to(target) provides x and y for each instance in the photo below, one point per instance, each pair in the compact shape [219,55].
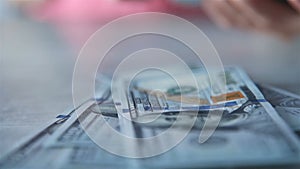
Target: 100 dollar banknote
[250,132]
[286,104]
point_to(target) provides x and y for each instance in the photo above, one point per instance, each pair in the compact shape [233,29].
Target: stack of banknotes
[259,126]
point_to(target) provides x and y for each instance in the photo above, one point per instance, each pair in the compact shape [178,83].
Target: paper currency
[249,134]
[286,104]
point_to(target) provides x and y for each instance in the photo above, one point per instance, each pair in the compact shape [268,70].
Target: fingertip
[215,10]
[224,24]
[295,4]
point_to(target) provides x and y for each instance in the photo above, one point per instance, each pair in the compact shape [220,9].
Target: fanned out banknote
[250,133]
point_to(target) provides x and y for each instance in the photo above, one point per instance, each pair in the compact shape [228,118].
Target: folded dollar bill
[250,132]
[286,104]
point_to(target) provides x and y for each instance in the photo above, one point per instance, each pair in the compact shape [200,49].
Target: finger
[275,31]
[247,10]
[295,4]
[214,10]
[225,15]
[285,36]
[234,16]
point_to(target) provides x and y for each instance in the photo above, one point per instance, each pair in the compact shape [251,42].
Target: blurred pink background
[77,20]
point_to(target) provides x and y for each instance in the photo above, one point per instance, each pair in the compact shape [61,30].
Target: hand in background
[276,17]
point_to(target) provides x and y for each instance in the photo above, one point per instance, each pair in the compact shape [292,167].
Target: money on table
[250,133]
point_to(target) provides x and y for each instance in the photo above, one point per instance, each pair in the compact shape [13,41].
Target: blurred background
[41,39]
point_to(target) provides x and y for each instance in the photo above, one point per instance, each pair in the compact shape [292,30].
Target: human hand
[280,18]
